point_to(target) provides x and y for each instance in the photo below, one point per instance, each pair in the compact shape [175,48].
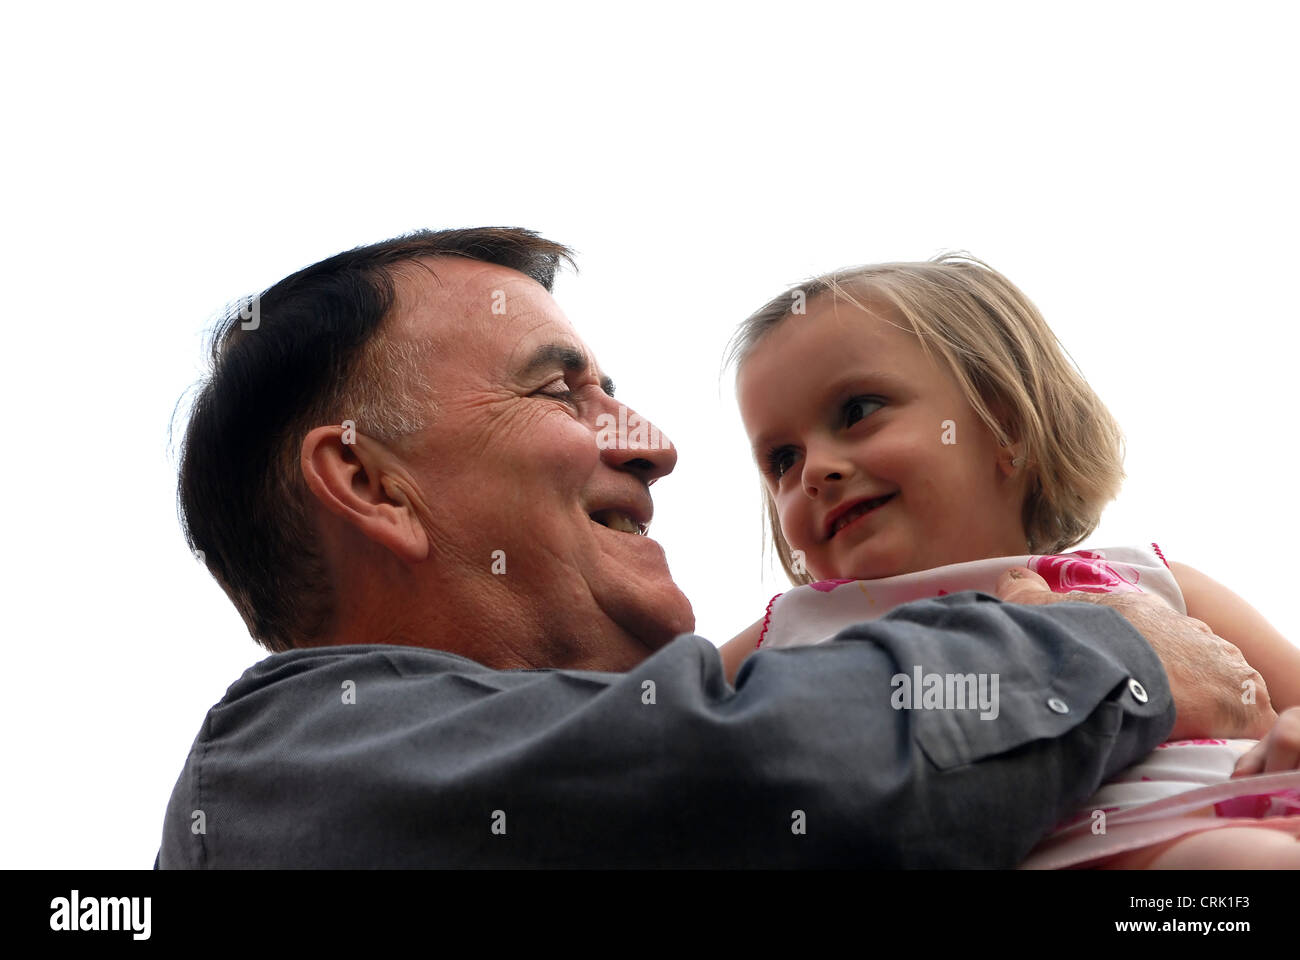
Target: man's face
[523,502]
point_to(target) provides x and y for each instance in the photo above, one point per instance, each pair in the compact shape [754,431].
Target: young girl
[920,430]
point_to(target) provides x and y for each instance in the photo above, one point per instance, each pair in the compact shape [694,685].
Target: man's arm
[442,762]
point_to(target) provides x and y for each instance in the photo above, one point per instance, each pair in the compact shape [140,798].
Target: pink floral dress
[1182,787]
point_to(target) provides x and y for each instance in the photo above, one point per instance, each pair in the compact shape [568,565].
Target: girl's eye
[779,461]
[859,407]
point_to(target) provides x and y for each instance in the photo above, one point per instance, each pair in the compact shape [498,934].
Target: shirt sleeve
[441,762]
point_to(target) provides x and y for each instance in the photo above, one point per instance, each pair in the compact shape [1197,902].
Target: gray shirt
[360,756]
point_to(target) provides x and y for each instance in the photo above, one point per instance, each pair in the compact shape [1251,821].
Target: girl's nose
[823,469]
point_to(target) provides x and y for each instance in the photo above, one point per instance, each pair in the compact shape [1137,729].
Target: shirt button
[1057,705]
[1139,692]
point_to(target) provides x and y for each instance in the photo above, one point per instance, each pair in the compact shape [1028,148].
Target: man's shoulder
[384,679]
[295,671]
[368,659]
[295,749]
[324,678]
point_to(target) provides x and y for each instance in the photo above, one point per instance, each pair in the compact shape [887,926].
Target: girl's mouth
[856,512]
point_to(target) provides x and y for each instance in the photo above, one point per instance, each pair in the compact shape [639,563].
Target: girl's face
[842,408]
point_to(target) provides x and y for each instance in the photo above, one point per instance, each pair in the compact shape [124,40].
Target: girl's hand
[1278,751]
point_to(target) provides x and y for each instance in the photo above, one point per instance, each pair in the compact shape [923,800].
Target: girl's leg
[1227,848]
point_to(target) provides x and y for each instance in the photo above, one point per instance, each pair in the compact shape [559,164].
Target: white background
[1131,166]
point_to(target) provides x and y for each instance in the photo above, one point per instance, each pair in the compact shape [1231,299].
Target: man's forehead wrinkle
[460,281]
[457,307]
[441,306]
[481,280]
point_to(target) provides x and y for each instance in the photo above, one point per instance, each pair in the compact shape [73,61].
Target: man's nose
[630,442]
[823,469]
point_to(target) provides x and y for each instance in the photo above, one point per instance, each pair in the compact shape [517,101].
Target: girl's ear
[1011,460]
[1012,455]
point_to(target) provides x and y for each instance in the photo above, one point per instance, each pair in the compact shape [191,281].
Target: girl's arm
[735,650]
[1235,620]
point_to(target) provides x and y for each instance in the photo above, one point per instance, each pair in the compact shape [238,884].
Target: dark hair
[283,362]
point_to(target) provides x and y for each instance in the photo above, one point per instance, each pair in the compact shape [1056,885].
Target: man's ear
[353,477]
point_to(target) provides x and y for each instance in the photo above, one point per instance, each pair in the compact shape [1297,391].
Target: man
[397,473]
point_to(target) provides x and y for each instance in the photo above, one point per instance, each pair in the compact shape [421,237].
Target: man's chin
[637,591]
[666,629]
[656,618]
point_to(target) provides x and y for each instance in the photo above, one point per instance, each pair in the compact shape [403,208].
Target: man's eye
[562,393]
[859,407]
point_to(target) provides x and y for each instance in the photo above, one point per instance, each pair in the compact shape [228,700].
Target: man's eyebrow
[571,359]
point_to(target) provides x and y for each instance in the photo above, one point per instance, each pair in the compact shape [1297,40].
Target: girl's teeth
[858,511]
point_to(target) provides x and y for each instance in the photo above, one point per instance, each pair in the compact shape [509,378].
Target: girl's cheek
[889,457]
[793,525]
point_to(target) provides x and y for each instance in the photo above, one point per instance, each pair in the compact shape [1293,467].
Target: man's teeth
[620,522]
[617,521]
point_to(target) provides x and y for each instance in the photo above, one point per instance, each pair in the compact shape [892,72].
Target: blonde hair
[1011,368]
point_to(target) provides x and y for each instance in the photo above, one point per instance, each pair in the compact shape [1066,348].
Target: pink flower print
[1086,571]
[1252,806]
[1278,803]
[1189,743]
[826,586]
